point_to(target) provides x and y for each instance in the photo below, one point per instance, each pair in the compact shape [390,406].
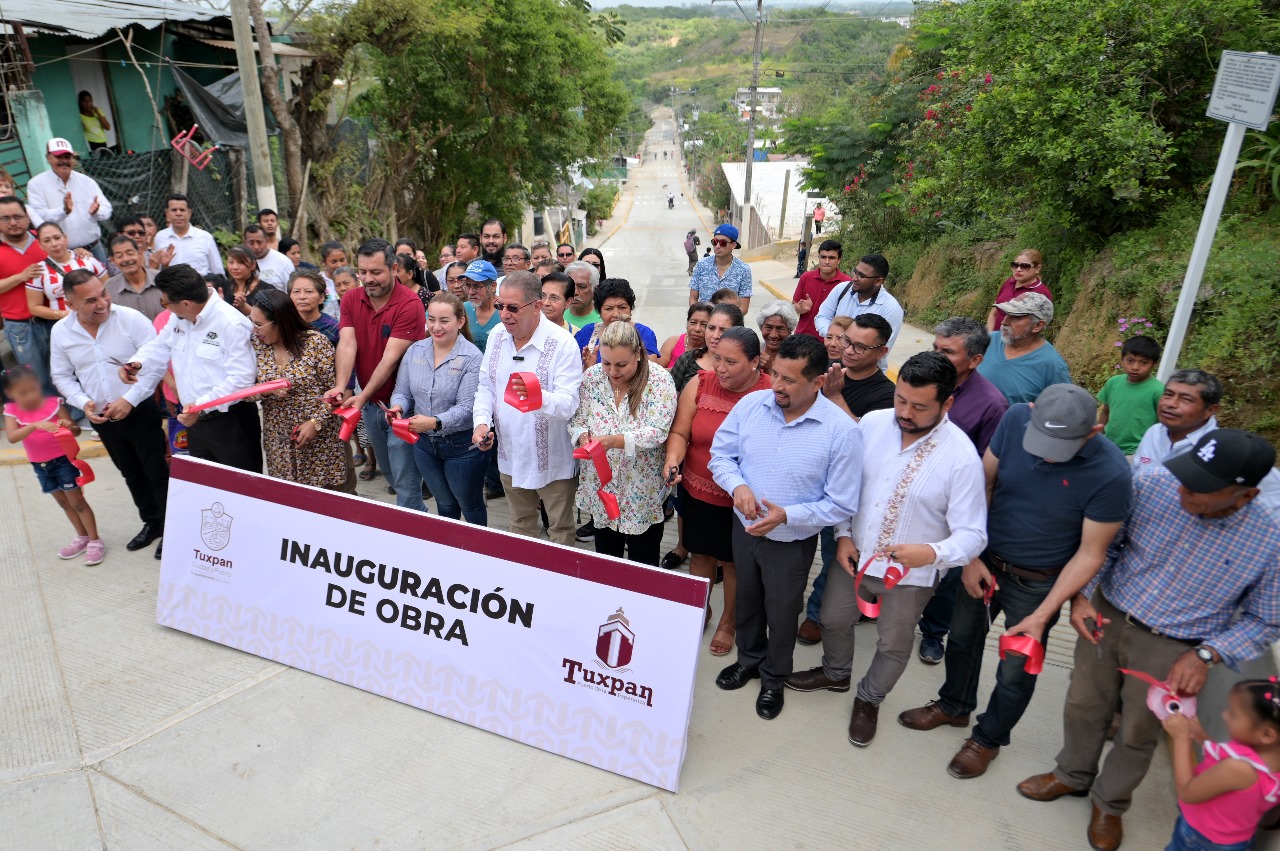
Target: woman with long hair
[408,275]
[595,258]
[242,277]
[1024,277]
[695,326]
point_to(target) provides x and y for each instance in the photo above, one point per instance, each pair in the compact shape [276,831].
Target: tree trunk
[292,141]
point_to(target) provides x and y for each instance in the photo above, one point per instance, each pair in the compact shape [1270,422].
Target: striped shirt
[447,391]
[1187,577]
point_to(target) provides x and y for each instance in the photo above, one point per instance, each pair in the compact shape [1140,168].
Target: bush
[598,203]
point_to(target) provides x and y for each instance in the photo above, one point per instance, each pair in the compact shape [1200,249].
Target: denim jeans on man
[1017,598]
[454,473]
[29,339]
[395,457]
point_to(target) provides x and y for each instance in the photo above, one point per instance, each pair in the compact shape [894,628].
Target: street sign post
[1244,93]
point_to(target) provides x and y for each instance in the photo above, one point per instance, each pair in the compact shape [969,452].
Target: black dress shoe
[148,534]
[736,676]
[769,703]
[160,549]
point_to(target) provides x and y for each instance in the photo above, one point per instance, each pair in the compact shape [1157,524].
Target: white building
[768,181]
[768,102]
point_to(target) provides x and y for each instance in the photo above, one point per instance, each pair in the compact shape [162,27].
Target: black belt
[205,416]
[1034,575]
[1132,621]
[90,246]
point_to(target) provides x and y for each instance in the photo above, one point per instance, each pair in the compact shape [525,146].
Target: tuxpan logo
[615,646]
[215,526]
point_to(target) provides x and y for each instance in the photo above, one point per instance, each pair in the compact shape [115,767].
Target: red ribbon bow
[894,574]
[532,398]
[71,447]
[400,427]
[350,419]
[255,390]
[1161,697]
[595,450]
[1024,645]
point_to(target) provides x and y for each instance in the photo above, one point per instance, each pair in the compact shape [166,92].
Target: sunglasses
[564,254]
[1017,264]
[510,308]
[722,242]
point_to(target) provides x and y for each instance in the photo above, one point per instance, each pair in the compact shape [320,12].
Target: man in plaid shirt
[1196,550]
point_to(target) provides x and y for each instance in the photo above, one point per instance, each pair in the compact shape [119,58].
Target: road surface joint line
[163,807]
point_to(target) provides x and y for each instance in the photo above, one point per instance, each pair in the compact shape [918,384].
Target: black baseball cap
[1222,458]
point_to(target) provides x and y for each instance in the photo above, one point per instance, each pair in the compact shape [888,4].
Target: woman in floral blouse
[299,432]
[627,403]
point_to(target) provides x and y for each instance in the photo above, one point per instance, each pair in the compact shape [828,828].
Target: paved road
[116,733]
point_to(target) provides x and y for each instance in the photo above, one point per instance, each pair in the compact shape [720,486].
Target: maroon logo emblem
[615,641]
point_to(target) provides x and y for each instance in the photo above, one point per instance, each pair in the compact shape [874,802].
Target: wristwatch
[439,425]
[1204,654]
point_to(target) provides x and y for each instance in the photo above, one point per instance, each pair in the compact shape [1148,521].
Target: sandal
[672,560]
[360,460]
[368,475]
[725,647]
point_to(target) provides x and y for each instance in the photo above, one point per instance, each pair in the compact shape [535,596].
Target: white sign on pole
[580,655]
[1245,89]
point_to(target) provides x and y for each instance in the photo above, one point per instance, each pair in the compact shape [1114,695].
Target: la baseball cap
[58,145]
[1224,457]
[480,270]
[729,231]
[1061,418]
[1029,304]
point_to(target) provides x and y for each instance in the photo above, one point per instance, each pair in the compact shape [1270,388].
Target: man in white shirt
[126,418]
[535,454]
[273,267]
[70,198]
[864,294]
[184,243]
[208,342]
[922,508]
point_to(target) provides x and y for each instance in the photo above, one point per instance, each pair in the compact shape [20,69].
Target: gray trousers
[900,608]
[1097,690]
[772,577]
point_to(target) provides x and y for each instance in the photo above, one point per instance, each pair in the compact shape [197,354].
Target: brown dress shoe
[1047,787]
[929,717]
[862,725]
[810,632]
[1106,831]
[815,679]
[972,760]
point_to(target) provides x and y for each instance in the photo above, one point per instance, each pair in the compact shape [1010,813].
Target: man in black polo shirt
[1059,493]
[859,385]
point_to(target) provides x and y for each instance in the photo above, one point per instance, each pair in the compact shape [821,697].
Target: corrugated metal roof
[92,18]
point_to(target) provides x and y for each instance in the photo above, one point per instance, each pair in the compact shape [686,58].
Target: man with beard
[1019,360]
[493,238]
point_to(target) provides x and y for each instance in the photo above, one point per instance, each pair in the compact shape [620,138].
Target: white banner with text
[581,655]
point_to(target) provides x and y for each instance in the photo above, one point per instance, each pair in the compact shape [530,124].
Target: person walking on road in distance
[767,436]
[721,270]
[1190,583]
[865,293]
[691,243]
[1019,360]
[125,417]
[71,199]
[671,200]
[1050,455]
[815,285]
[208,342]
[802,258]
[535,454]
[380,320]
[819,216]
[183,242]
[1024,278]
[923,507]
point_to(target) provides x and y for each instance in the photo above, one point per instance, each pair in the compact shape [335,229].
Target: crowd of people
[980,481]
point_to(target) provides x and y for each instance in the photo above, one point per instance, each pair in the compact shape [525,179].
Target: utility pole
[754,106]
[255,119]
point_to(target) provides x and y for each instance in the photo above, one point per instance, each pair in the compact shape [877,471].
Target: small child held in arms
[33,420]
[1129,400]
[1222,800]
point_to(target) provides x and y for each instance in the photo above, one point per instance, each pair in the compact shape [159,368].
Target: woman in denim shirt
[436,384]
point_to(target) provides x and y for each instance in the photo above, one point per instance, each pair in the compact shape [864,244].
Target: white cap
[59,146]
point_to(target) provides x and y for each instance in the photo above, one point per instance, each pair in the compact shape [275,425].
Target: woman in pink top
[1224,797]
[34,421]
[693,337]
[1025,278]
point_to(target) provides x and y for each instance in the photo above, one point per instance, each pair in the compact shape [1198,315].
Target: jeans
[395,457]
[455,474]
[936,620]
[1017,598]
[1187,838]
[827,546]
[29,339]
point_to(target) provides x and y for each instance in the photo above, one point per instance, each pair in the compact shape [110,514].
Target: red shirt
[13,304]
[812,286]
[402,318]
[1010,290]
[714,404]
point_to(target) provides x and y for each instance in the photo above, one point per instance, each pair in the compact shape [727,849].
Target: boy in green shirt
[1129,400]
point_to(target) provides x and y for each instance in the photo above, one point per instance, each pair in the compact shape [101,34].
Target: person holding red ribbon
[922,511]
[627,405]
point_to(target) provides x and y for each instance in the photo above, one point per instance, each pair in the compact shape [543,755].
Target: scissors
[989,592]
[488,440]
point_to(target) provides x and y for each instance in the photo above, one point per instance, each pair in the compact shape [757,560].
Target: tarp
[218,108]
[93,18]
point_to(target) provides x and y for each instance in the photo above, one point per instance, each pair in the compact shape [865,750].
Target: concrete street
[116,733]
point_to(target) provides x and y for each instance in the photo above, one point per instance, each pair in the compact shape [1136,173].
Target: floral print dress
[321,462]
[637,468]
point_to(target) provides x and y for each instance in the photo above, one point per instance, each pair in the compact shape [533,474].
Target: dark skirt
[707,528]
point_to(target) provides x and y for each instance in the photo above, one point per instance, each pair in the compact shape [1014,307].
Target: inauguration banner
[581,655]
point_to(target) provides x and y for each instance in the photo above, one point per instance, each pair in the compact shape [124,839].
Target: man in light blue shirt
[721,270]
[792,460]
[1019,360]
[864,294]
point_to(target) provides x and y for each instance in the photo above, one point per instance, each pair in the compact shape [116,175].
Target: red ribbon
[894,574]
[1024,645]
[400,427]
[350,419]
[255,390]
[595,450]
[1161,697]
[532,398]
[71,447]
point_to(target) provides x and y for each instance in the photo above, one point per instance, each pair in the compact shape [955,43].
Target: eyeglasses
[858,348]
[257,325]
[861,277]
[1017,264]
[510,308]
[722,242]
[7,219]
[595,263]
[476,285]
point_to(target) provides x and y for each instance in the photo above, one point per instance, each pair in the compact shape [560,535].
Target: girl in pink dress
[1223,799]
[33,420]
